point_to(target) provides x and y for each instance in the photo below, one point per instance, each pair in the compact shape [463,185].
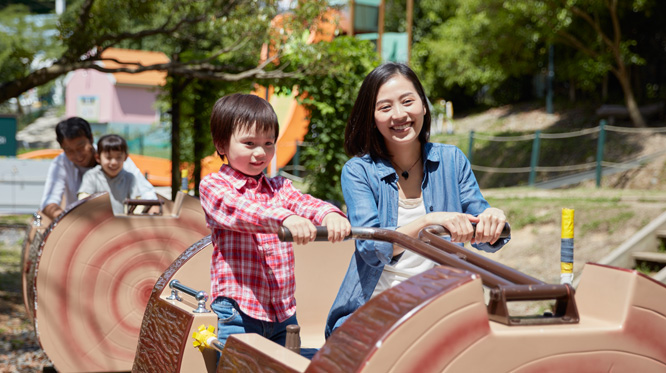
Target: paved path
[40,133]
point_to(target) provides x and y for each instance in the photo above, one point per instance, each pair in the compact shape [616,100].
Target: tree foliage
[486,43]
[24,41]
[329,99]
[212,35]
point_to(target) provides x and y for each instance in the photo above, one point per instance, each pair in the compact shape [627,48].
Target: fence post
[600,150]
[471,146]
[535,156]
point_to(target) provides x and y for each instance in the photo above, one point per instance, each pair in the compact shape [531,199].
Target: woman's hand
[489,225]
[458,224]
[302,229]
[337,225]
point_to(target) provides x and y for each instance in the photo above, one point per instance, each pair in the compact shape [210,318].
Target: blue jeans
[231,320]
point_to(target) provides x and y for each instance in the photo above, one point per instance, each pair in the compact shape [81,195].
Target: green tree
[222,30]
[329,99]
[485,44]
[594,28]
[24,42]
[474,49]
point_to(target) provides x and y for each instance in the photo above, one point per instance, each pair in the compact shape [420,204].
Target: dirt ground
[640,195]
[19,348]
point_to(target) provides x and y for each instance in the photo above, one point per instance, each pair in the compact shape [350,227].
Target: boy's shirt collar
[240,180]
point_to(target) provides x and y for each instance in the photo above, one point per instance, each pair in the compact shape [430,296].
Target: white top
[64,179]
[409,264]
[119,187]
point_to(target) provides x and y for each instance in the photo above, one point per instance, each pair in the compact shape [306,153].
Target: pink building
[120,102]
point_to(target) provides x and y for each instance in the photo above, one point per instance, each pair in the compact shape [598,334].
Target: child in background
[252,272]
[109,175]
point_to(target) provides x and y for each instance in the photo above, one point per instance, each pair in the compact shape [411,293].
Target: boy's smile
[250,152]
[112,162]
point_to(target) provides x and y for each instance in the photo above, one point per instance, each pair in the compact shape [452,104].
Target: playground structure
[435,321]
[88,274]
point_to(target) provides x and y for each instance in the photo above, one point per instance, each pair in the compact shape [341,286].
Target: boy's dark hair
[72,128]
[111,142]
[240,111]
[361,134]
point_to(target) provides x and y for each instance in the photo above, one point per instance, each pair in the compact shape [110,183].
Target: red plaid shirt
[250,264]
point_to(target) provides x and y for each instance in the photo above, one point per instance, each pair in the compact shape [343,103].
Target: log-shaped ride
[437,321]
[87,277]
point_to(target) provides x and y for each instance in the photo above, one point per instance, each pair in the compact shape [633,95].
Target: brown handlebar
[364,233]
[132,204]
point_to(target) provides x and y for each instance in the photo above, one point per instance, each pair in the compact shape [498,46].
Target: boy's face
[111,161]
[250,152]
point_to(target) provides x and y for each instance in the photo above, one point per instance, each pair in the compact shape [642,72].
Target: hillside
[525,119]
[604,217]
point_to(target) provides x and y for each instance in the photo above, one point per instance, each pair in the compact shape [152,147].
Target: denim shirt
[371,193]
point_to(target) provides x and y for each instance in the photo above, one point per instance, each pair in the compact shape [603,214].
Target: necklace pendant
[405,175]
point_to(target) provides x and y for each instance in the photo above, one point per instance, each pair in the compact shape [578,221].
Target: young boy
[109,175]
[252,272]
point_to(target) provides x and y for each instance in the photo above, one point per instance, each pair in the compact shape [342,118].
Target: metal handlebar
[132,204]
[367,233]
[201,296]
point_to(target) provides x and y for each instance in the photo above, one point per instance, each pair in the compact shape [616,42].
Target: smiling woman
[398,180]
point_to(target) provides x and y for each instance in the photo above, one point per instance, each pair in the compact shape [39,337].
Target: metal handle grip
[200,295]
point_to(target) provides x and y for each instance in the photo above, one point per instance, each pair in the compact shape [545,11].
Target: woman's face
[399,111]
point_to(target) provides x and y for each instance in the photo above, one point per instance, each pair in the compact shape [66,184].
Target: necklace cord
[405,173]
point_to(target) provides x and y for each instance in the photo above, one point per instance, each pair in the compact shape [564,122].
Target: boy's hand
[301,229]
[153,210]
[338,227]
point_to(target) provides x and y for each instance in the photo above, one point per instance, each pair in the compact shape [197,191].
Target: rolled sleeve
[54,187]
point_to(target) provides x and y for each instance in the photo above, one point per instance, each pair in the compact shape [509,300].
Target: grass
[10,271]
[595,212]
[10,257]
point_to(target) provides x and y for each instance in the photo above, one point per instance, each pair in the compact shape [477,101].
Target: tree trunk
[199,135]
[175,137]
[634,112]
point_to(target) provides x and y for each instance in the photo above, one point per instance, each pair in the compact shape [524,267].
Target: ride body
[64,180]
[371,193]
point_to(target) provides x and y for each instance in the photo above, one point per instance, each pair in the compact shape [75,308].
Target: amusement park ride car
[98,308]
